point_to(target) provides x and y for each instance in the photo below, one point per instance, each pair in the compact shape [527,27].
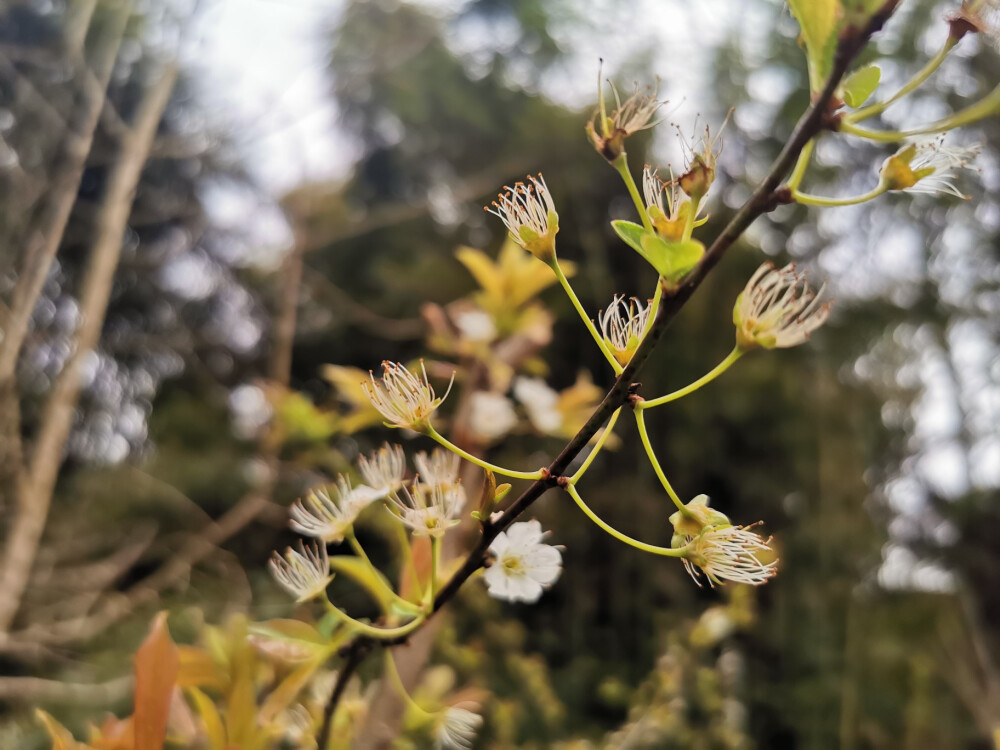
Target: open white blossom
[491,416]
[402,397]
[328,514]
[667,207]
[441,467]
[304,573]
[457,729]
[475,325]
[730,553]
[777,309]
[428,509]
[384,469]
[541,403]
[622,325]
[523,564]
[636,112]
[608,132]
[935,164]
[528,212]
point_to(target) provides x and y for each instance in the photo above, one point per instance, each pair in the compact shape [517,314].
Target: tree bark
[46,233]
[38,483]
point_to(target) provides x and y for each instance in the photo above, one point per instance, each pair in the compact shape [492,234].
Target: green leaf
[673,260]
[861,84]
[818,20]
[630,233]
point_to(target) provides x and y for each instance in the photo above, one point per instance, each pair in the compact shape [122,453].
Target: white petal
[525,533]
[523,588]
[500,544]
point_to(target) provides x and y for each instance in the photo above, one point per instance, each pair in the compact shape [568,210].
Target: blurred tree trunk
[45,235]
[38,482]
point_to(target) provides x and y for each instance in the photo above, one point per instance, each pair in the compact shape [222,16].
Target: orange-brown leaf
[156,668]
[421,547]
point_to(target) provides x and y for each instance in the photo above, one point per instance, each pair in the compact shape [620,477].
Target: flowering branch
[672,298]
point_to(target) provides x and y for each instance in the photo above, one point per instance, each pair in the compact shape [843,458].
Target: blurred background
[203,205]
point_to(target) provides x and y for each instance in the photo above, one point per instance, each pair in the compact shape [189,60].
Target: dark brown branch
[356,653]
[765,198]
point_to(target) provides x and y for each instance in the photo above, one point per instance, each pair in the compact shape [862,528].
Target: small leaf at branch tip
[860,85]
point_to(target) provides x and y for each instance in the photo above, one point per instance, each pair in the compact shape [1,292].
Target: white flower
[524,566]
[441,467]
[304,573]
[457,729]
[475,325]
[403,398]
[491,416]
[636,113]
[328,514]
[934,166]
[608,133]
[540,401]
[384,469]
[428,509]
[730,553]
[667,207]
[777,309]
[622,325]
[528,212]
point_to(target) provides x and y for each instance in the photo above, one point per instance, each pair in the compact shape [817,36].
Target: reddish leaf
[156,666]
[421,546]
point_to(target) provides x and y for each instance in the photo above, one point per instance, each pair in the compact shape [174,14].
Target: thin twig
[356,653]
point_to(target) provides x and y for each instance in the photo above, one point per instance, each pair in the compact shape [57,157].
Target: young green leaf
[818,20]
[860,85]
